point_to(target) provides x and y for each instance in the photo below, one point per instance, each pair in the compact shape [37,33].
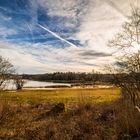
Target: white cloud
[99,21]
[4,32]
[99,25]
[69,8]
[5,18]
[41,58]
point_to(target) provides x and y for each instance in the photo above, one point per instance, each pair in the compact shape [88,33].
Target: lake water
[35,84]
[29,84]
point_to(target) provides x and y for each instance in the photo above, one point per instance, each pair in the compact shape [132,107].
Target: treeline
[70,77]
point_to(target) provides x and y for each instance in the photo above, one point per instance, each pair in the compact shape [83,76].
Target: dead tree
[19,82]
[128,43]
[6,71]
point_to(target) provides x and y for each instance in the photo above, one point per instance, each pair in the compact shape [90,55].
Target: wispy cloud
[95,54]
[57,35]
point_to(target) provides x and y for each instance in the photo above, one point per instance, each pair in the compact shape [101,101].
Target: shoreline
[64,87]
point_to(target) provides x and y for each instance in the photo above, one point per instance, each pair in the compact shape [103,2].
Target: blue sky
[40,36]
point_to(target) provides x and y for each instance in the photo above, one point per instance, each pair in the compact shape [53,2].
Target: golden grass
[115,120]
[65,95]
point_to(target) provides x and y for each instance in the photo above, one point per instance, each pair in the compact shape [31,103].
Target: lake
[35,84]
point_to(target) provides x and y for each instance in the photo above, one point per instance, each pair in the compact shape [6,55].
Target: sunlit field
[65,95]
[89,114]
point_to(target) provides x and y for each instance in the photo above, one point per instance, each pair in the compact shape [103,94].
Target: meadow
[65,95]
[89,114]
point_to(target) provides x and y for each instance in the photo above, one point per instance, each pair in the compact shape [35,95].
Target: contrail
[112,4]
[30,31]
[57,36]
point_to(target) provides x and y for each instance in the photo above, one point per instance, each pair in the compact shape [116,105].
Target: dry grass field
[89,114]
[65,95]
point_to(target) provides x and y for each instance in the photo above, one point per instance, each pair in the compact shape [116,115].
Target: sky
[44,36]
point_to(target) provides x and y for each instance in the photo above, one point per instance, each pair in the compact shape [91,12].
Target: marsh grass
[101,121]
[90,114]
[65,95]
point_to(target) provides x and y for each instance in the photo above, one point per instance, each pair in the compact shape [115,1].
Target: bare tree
[6,70]
[128,64]
[19,82]
[129,37]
